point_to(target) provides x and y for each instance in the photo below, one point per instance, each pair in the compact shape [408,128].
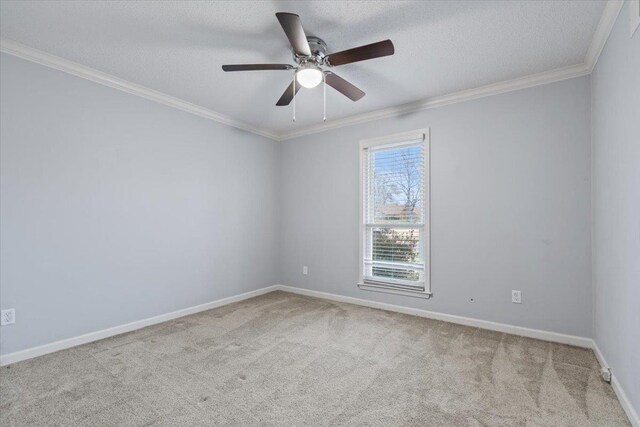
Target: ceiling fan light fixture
[309,76]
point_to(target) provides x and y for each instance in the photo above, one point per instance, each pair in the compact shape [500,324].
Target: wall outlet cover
[8,317]
[516,297]
[305,270]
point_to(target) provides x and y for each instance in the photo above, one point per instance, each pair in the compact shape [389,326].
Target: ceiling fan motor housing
[318,51]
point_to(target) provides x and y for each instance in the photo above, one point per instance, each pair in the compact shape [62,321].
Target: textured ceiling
[178,47]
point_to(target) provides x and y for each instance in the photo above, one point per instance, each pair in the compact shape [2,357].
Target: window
[394,231]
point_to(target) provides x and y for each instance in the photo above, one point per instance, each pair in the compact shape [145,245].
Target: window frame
[396,140]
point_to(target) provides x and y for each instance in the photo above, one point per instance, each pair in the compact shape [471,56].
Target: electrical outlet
[8,317]
[516,297]
[305,270]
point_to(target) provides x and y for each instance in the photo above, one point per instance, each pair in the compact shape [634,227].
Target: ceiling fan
[310,55]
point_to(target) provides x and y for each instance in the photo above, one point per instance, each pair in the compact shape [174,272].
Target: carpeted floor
[290,360]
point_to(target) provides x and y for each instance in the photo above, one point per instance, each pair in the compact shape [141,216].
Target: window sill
[394,290]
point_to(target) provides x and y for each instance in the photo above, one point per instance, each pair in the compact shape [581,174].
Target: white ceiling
[178,47]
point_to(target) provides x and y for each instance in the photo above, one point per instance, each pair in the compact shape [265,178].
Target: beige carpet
[283,359]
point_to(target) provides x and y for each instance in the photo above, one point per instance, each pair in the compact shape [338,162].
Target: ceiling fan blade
[362,53]
[288,95]
[254,67]
[292,27]
[343,86]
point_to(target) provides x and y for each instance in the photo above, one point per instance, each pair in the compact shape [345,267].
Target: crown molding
[43,58]
[605,25]
[453,98]
[600,37]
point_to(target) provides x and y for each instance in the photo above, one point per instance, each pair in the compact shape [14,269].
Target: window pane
[395,273]
[396,245]
[396,187]
[394,253]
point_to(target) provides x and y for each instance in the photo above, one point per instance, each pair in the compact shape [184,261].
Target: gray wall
[615,139]
[510,208]
[116,209]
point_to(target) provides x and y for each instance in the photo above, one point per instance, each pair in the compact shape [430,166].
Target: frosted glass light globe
[309,77]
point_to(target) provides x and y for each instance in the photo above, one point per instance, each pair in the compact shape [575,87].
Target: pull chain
[324,97]
[294,97]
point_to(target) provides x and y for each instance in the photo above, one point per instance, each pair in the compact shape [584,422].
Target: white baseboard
[121,329]
[467,321]
[617,388]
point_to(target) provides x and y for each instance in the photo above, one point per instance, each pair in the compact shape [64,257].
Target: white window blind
[394,213]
